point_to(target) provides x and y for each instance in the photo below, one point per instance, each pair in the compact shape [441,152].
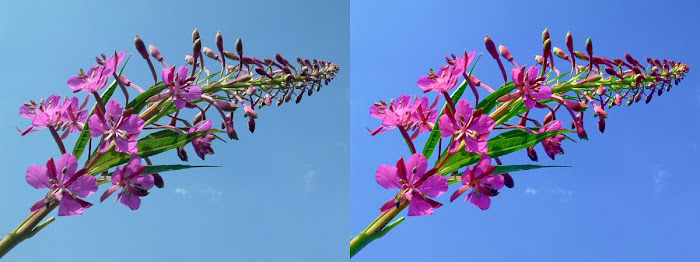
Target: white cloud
[659,180]
[530,191]
[309,180]
[214,194]
[181,191]
[564,194]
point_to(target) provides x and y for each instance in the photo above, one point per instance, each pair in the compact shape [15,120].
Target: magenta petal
[496,181]
[426,83]
[479,147]
[37,177]
[388,205]
[182,74]
[543,92]
[529,103]
[114,109]
[192,92]
[109,192]
[133,124]
[483,125]
[532,73]
[75,83]
[97,127]
[126,146]
[69,207]
[145,181]
[387,177]
[483,165]
[454,145]
[419,207]
[131,200]
[69,162]
[179,103]
[480,200]
[84,186]
[464,110]
[434,186]
[420,163]
[38,205]
[447,126]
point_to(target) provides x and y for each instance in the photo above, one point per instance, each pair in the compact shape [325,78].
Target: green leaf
[498,146]
[435,136]
[85,136]
[165,168]
[150,145]
[140,102]
[502,170]
[491,100]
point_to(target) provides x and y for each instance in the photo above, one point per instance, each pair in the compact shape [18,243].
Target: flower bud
[601,124]
[580,55]
[210,53]
[508,180]
[637,98]
[589,46]
[599,111]
[601,90]
[197,48]
[648,99]
[155,53]
[251,124]
[158,180]
[189,59]
[181,153]
[618,99]
[219,42]
[230,55]
[491,47]
[547,48]
[505,53]
[281,59]
[560,53]
[570,42]
[195,35]
[239,47]
[299,97]
[230,131]
[545,35]
[141,47]
[268,99]
[540,60]
[532,153]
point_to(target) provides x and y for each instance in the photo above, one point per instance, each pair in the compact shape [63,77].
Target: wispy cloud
[181,191]
[214,194]
[309,183]
[564,194]
[659,178]
[530,191]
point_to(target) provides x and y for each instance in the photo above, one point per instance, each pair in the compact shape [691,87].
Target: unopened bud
[601,90]
[589,46]
[210,53]
[580,55]
[155,53]
[548,118]
[230,55]
[219,42]
[545,35]
[251,91]
[547,48]
[299,97]
[505,53]
[287,98]
[508,180]
[569,42]
[181,153]
[560,53]
[197,48]
[637,98]
[195,35]
[141,47]
[599,111]
[268,99]
[491,47]
[251,124]
[618,99]
[189,59]
[540,59]
[601,124]
[281,59]
[532,153]
[230,131]
[649,98]
[239,47]
[158,180]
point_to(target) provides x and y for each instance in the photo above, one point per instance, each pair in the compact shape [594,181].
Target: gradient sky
[630,194]
[282,192]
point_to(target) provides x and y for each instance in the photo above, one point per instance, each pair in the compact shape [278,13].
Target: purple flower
[122,127]
[179,87]
[483,183]
[45,113]
[97,76]
[396,113]
[552,145]
[529,86]
[74,115]
[65,185]
[447,76]
[134,185]
[202,145]
[415,184]
[469,126]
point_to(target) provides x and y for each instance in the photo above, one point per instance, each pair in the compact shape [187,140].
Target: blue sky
[630,194]
[282,192]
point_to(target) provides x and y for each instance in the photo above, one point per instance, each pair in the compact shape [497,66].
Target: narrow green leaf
[165,168]
[501,170]
[85,136]
[491,100]
[140,102]
[498,146]
[435,136]
[148,146]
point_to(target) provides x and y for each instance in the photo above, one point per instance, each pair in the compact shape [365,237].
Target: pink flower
[552,145]
[469,127]
[415,184]
[202,145]
[117,125]
[97,76]
[483,183]
[529,87]
[74,116]
[447,76]
[65,185]
[43,114]
[179,87]
[423,117]
[396,113]
[134,185]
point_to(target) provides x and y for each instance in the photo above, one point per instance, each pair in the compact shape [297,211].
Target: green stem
[26,229]
[375,229]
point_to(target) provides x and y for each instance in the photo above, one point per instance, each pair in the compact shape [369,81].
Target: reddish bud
[141,47]
[545,35]
[251,124]
[532,153]
[508,180]
[648,99]
[158,180]
[491,47]
[580,55]
[618,99]
[505,53]
[547,48]
[195,35]
[540,60]
[210,53]
[182,154]
[589,47]
[601,124]
[155,53]
[239,47]
[189,59]
[197,48]
[599,111]
[299,97]
[570,42]
[601,90]
[230,55]
[219,42]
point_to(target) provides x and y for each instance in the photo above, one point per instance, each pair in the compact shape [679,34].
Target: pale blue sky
[282,194]
[630,194]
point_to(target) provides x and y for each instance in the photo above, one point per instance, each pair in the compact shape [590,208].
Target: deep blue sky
[630,194]
[282,194]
